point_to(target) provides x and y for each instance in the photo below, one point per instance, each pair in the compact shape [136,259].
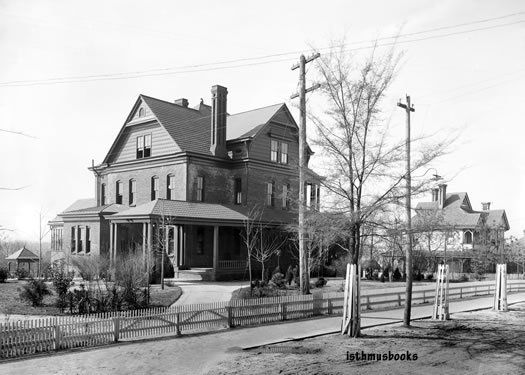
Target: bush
[463,278]
[278,281]
[418,276]
[61,282]
[4,274]
[34,292]
[320,282]
[21,273]
[430,276]
[397,275]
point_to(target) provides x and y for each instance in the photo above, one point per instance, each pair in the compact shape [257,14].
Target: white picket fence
[66,332]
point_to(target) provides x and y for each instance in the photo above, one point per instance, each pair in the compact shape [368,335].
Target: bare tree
[364,164]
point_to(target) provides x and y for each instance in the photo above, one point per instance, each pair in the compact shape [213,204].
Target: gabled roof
[190,127]
[248,124]
[23,254]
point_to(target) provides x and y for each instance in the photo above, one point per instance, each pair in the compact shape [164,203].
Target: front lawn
[11,303]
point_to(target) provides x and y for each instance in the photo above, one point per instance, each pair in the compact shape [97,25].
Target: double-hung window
[143,146]
[270,194]
[200,189]
[119,187]
[279,151]
[154,188]
[132,191]
[170,192]
[274,150]
[238,191]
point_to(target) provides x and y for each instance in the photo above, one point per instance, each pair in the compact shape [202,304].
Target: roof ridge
[256,109]
[173,104]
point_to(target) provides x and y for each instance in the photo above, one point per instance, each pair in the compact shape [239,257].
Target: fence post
[57,337]
[460,292]
[282,308]
[230,317]
[330,307]
[177,323]
[116,325]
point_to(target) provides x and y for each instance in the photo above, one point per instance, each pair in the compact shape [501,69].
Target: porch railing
[232,264]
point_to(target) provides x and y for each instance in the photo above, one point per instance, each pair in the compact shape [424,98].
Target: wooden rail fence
[66,332]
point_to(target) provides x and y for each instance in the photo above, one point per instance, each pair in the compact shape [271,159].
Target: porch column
[176,245]
[150,244]
[144,244]
[215,247]
[111,235]
[115,242]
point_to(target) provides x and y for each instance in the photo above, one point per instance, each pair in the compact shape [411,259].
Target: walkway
[194,292]
[200,353]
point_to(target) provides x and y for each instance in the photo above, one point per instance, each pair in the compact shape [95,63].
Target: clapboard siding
[260,147]
[161,142]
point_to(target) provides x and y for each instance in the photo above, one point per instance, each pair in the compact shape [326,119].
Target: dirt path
[481,342]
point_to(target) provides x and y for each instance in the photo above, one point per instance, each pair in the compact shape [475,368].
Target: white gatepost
[440,311]
[351,323]
[500,292]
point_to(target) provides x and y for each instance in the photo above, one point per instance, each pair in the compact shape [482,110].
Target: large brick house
[185,179]
[449,227]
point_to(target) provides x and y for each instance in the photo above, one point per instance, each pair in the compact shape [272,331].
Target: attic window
[142,112]
[143,146]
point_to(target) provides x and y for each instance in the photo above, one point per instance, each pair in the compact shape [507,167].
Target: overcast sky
[469,79]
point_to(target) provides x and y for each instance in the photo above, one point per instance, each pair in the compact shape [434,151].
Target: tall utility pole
[304,272]
[408,251]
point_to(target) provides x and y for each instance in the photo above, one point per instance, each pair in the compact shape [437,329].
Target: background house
[183,180]
[448,229]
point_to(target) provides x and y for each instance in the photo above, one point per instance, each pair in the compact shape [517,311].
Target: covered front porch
[187,235]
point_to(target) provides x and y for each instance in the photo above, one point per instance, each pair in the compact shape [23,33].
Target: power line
[222,64]
[17,132]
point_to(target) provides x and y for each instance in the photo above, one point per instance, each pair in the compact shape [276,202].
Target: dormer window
[143,146]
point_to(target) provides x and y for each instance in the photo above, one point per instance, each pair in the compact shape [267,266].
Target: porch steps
[194,274]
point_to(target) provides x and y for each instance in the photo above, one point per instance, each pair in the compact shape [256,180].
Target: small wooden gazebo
[22,256]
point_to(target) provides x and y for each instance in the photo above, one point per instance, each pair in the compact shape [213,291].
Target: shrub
[320,282]
[34,292]
[430,276]
[397,275]
[278,281]
[386,273]
[4,274]
[463,278]
[61,282]
[21,273]
[418,276]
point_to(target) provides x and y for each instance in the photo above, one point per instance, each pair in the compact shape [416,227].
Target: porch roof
[181,210]
[200,212]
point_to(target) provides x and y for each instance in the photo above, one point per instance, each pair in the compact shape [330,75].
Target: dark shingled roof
[458,212]
[23,254]
[202,211]
[108,208]
[190,127]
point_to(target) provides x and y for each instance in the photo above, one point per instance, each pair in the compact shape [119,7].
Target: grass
[166,297]
[10,302]
[334,284]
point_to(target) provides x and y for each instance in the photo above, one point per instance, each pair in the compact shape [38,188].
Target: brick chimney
[218,121]
[435,194]
[442,195]
[183,102]
[485,206]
